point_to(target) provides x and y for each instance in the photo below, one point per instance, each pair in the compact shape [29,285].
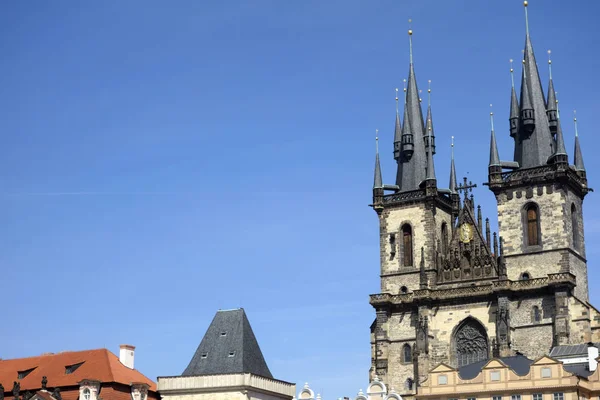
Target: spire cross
[467,188]
[410,32]
[575,122]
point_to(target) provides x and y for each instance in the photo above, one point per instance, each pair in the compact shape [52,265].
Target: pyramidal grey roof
[229,346]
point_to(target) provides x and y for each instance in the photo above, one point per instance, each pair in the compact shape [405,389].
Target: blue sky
[162,160]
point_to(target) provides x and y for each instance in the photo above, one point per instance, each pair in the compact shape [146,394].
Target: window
[525,276]
[470,342]
[496,397]
[442,379]
[546,372]
[575,226]
[406,353]
[407,245]
[69,369]
[559,396]
[392,246]
[23,374]
[231,353]
[515,397]
[533,225]
[87,394]
[495,375]
[203,355]
[471,398]
[536,316]
[444,238]
[403,290]
[536,396]
[223,334]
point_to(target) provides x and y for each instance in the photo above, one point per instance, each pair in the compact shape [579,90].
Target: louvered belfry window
[532,226]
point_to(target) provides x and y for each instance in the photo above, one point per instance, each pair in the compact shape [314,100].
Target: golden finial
[410,32]
[512,70]
[396,100]
[404,84]
[526,18]
[550,63]
[452,146]
[377,141]
[492,116]
[575,121]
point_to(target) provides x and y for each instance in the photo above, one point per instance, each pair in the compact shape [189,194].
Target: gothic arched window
[407,240]
[532,219]
[471,343]
[406,353]
[575,226]
[444,238]
[536,315]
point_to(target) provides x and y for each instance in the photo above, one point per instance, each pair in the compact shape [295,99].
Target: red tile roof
[100,364]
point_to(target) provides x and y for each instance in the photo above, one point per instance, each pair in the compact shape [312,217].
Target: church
[452,291]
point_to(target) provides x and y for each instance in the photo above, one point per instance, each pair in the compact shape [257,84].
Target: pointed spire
[453,184]
[551,102]
[535,140]
[377,182]
[412,169]
[430,167]
[514,104]
[525,3]
[397,133]
[429,122]
[560,152]
[578,155]
[494,157]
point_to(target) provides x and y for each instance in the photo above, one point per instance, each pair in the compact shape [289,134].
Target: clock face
[466,233]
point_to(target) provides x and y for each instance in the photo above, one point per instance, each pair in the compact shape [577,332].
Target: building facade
[76,375]
[452,292]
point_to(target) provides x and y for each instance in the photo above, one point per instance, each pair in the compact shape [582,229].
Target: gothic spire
[429,123]
[397,133]
[560,152]
[514,105]
[578,156]
[377,181]
[551,111]
[412,168]
[430,167]
[535,141]
[494,157]
[453,184]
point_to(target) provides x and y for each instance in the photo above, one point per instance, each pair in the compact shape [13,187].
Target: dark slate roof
[571,350]
[582,370]
[213,355]
[519,364]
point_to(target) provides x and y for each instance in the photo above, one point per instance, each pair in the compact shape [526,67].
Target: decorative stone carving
[16,389]
[422,335]
[44,382]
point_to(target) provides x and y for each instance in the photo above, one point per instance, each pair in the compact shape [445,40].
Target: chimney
[592,355]
[127,353]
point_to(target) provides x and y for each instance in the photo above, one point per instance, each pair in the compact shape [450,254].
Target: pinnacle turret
[377,181]
[578,160]
[514,105]
[552,107]
[453,183]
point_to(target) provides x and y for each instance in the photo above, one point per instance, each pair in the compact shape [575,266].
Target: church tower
[415,220]
[540,199]
[451,291]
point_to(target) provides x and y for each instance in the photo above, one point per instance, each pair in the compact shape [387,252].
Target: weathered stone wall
[398,370]
[426,228]
[580,323]
[532,338]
